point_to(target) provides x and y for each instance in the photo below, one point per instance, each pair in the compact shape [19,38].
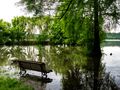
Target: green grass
[7,83]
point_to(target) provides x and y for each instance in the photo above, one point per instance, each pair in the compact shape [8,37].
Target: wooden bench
[31,65]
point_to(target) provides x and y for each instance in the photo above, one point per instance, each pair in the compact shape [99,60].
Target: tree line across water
[112,35]
[23,30]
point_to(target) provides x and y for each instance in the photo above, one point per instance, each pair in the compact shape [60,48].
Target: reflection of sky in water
[114,59]
[112,62]
[55,85]
[56,80]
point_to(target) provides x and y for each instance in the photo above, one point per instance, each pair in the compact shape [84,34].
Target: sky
[9,9]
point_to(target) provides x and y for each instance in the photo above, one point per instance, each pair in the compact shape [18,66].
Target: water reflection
[39,83]
[73,70]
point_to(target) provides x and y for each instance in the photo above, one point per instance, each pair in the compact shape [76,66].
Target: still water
[112,62]
[71,69]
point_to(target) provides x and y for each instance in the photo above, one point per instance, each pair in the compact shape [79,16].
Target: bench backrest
[32,65]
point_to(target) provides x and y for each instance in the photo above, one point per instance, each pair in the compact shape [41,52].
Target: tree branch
[66,9]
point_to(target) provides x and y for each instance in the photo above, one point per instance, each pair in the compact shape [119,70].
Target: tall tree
[80,15]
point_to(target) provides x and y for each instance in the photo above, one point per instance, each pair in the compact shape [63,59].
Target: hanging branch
[66,9]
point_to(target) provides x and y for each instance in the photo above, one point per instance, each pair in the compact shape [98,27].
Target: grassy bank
[7,83]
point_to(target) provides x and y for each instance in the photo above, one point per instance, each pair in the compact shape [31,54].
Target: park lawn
[7,83]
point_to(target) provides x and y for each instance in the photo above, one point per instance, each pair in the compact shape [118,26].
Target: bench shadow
[37,78]
[36,82]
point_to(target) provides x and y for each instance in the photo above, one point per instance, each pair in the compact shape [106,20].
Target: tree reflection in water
[76,79]
[17,52]
[38,83]
[8,53]
[79,71]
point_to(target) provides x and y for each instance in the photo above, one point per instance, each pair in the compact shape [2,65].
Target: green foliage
[4,31]
[7,83]
[57,34]
[42,38]
[4,26]
[43,25]
[18,28]
[13,32]
[76,23]
[23,28]
[62,58]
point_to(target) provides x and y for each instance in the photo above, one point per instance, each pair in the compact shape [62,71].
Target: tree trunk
[96,47]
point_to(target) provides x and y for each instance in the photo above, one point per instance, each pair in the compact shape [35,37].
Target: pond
[112,61]
[71,69]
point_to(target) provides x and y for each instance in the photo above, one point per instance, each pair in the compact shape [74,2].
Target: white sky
[9,10]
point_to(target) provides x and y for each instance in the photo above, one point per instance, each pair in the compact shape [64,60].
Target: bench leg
[22,72]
